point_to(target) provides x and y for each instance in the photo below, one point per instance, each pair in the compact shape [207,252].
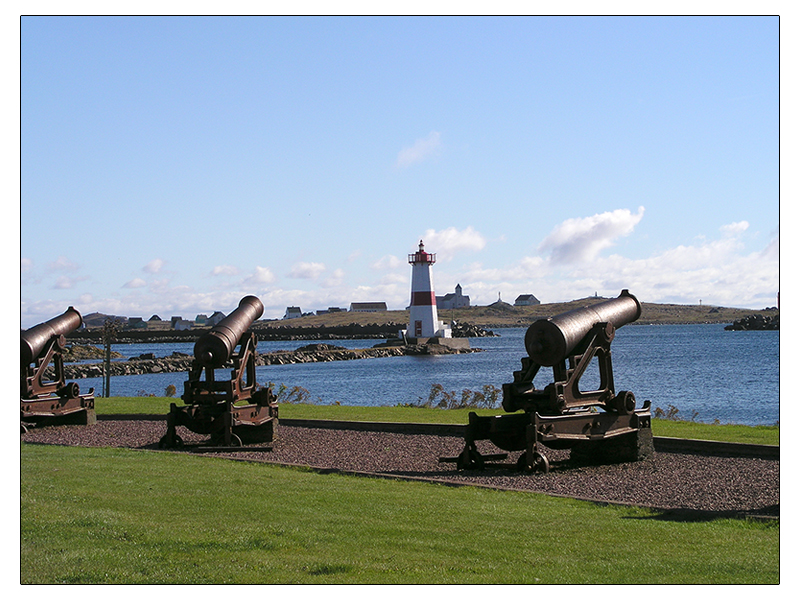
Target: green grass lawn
[122,516]
[661,427]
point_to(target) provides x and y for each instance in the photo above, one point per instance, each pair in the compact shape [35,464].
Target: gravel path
[721,485]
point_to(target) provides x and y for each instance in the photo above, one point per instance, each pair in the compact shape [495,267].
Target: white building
[526,300]
[293,312]
[455,300]
[423,319]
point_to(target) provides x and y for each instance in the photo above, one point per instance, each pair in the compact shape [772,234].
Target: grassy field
[121,516]
[661,427]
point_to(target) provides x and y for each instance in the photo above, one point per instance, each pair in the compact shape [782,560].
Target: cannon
[590,418]
[232,411]
[45,396]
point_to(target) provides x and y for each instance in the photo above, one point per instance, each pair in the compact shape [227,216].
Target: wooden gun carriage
[235,411]
[46,397]
[599,425]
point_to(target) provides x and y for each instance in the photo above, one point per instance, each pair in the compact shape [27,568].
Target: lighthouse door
[417,328]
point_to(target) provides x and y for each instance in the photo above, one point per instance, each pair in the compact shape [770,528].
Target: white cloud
[449,242]
[422,149]
[387,262]
[714,272]
[528,268]
[582,239]
[336,279]
[734,228]
[224,270]
[160,286]
[261,275]
[25,265]
[306,270]
[154,266]
[62,264]
[395,278]
[135,283]
[772,251]
[64,283]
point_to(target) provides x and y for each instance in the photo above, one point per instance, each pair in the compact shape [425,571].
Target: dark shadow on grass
[691,515]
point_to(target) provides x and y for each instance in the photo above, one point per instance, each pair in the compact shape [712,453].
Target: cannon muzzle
[549,341]
[216,347]
[36,338]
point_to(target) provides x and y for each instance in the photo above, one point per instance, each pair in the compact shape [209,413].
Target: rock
[318,353]
[755,322]
[319,348]
[467,330]
[80,352]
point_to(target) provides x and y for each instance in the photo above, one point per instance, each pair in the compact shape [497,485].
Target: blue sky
[171,166]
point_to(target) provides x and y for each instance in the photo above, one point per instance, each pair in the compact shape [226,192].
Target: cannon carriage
[45,395]
[598,425]
[232,411]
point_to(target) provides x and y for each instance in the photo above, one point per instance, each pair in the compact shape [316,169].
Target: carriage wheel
[540,463]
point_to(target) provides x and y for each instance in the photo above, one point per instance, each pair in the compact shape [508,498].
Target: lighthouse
[423,318]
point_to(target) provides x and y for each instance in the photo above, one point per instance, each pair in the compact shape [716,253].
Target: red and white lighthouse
[423,318]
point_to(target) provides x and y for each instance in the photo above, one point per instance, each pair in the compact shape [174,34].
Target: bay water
[703,372]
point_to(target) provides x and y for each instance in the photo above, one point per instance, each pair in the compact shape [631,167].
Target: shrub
[441,398]
[294,395]
[671,414]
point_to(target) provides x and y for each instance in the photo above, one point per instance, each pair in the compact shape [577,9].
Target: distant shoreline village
[423,320]
[423,324]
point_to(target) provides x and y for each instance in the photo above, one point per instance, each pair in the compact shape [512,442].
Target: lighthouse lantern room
[423,318]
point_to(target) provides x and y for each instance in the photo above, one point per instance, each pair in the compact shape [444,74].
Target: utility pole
[110,329]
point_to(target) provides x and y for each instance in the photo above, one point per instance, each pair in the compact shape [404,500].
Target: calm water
[702,370]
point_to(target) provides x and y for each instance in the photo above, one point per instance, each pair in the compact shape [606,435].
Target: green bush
[441,398]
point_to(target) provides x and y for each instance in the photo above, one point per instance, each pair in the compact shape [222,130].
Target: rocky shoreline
[178,362]
[756,323]
[263,333]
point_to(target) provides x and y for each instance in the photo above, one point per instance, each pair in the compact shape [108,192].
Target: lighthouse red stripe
[423,298]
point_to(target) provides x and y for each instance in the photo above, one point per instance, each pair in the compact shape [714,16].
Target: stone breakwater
[307,354]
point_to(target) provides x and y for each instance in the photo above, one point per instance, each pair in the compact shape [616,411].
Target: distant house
[454,300]
[136,323]
[155,323]
[182,324]
[293,312]
[215,318]
[331,309]
[526,300]
[367,306]
[201,320]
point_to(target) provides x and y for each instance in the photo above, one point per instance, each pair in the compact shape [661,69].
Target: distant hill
[498,315]
[501,314]
[96,319]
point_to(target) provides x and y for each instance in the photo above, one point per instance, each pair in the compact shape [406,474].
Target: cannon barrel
[216,347]
[549,341]
[35,339]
